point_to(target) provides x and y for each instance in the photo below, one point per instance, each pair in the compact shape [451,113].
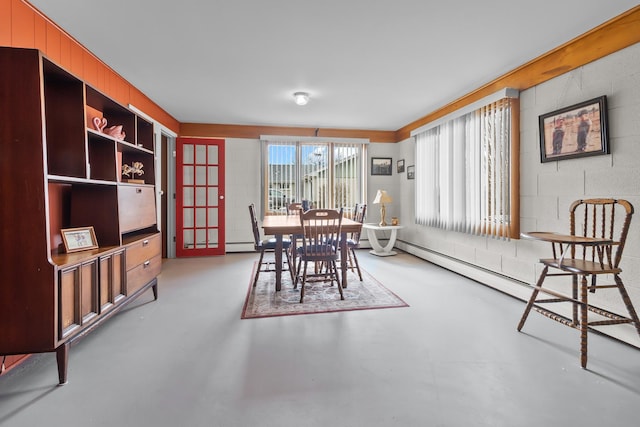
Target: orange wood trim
[254,132]
[5,22]
[53,43]
[22,25]
[77,59]
[514,230]
[616,34]
[65,52]
[40,32]
[25,26]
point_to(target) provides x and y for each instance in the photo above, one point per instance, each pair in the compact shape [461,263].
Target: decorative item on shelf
[115,131]
[79,239]
[381,198]
[134,169]
[394,220]
[99,123]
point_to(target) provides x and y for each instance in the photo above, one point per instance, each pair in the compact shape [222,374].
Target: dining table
[281,225]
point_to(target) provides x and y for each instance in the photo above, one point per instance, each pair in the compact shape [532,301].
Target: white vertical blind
[463,172]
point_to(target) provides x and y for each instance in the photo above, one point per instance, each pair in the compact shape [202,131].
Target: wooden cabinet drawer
[143,274]
[136,207]
[143,250]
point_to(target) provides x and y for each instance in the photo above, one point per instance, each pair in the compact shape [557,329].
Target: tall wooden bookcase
[57,172]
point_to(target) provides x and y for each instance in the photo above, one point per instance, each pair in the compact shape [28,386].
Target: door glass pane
[213,238]
[201,196]
[201,238]
[201,151]
[187,196]
[187,175]
[187,154]
[201,217]
[201,175]
[213,155]
[213,218]
[213,196]
[187,217]
[212,179]
[188,238]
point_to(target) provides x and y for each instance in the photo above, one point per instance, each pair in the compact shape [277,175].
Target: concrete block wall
[547,189]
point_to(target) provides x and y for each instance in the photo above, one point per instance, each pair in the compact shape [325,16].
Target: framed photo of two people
[576,131]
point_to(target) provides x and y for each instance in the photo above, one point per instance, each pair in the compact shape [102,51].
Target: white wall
[242,182]
[548,189]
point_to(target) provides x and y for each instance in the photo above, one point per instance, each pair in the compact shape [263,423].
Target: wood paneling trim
[616,34]
[22,25]
[254,132]
[25,26]
[5,22]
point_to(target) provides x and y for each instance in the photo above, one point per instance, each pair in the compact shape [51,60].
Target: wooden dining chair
[353,241]
[294,208]
[321,230]
[604,219]
[267,245]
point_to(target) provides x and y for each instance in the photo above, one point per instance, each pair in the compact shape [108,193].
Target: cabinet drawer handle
[138,190]
[145,242]
[146,264]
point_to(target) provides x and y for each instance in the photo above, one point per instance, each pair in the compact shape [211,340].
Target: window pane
[213,196]
[187,236]
[327,175]
[201,217]
[201,154]
[212,157]
[201,238]
[187,217]
[201,175]
[187,154]
[187,175]
[212,176]
[187,196]
[213,238]
[213,218]
[201,196]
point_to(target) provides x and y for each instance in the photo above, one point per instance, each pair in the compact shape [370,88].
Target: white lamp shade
[382,197]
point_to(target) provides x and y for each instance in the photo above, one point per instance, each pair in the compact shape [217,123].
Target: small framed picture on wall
[400,167]
[381,166]
[411,172]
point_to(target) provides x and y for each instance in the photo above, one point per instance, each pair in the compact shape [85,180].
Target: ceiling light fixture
[301,98]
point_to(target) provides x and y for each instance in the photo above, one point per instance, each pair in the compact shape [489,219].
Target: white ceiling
[367,64]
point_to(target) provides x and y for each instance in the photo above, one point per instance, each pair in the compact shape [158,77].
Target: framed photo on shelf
[400,168]
[79,239]
[381,165]
[576,131]
[411,172]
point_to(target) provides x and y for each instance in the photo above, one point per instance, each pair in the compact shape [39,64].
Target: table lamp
[381,198]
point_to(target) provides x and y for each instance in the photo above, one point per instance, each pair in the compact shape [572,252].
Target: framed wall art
[576,131]
[400,167]
[381,165]
[411,172]
[79,239]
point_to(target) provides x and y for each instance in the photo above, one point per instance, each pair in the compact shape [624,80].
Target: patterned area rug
[319,297]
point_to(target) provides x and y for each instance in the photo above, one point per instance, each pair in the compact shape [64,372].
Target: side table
[378,249]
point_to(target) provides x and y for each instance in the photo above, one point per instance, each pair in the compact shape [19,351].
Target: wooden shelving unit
[57,171]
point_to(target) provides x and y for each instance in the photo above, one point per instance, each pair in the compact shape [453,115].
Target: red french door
[199,197]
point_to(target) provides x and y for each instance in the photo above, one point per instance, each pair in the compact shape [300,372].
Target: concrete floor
[453,358]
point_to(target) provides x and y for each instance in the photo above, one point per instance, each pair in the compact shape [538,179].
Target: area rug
[319,297]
